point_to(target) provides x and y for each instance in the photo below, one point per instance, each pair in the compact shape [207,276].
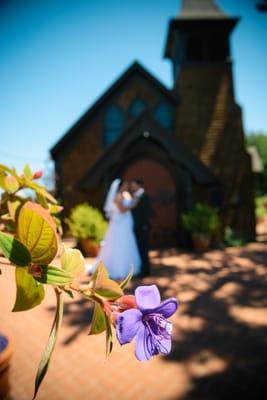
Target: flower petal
[167,308]
[164,346]
[144,347]
[147,297]
[127,325]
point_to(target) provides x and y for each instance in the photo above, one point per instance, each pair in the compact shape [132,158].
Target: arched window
[113,123]
[136,107]
[163,114]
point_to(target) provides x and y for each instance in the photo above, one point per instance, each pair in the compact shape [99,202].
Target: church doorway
[160,186]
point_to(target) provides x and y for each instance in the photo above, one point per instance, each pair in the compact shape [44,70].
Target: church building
[186,143]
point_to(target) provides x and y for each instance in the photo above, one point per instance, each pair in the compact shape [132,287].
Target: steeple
[197,9]
[199,34]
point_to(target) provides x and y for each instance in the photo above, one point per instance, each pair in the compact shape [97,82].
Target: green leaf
[72,262]
[2,179]
[27,172]
[125,282]
[41,200]
[11,171]
[12,206]
[110,290]
[55,209]
[29,293]
[40,190]
[46,356]
[54,276]
[98,323]
[14,250]
[100,274]
[37,231]
[11,184]
[58,225]
[109,340]
[104,286]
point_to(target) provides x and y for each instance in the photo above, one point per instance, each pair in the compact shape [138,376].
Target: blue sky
[59,56]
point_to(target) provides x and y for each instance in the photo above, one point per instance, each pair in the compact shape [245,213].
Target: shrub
[231,239]
[202,219]
[86,222]
[261,206]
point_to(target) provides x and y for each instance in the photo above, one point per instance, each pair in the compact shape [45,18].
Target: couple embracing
[127,207]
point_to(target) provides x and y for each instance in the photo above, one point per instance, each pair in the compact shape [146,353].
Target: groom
[141,216]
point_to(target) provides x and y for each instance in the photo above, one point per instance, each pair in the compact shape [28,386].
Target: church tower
[208,119]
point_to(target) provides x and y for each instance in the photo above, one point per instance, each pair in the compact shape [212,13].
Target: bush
[86,222]
[259,140]
[202,220]
[261,206]
[231,239]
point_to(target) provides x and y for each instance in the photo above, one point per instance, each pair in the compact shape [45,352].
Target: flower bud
[126,302]
[37,174]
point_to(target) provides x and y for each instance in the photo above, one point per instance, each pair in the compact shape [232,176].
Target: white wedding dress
[119,251]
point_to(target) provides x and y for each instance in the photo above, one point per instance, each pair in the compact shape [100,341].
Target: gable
[136,76]
[146,128]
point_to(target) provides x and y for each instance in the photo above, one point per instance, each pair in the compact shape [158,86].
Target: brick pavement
[219,347]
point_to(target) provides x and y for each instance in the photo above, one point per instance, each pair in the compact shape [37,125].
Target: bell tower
[208,119]
[199,35]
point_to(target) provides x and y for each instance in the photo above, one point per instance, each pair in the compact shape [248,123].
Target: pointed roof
[146,128]
[198,9]
[201,14]
[134,69]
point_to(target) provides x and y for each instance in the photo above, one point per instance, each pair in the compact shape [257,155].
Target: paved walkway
[219,349]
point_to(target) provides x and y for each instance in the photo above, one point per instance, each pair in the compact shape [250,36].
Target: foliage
[86,222]
[231,239]
[261,206]
[30,238]
[202,219]
[259,140]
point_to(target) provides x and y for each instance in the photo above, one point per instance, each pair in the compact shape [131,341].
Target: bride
[119,251]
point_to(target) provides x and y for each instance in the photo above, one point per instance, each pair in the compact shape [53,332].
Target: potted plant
[88,226]
[202,222]
[5,356]
[261,208]
[231,239]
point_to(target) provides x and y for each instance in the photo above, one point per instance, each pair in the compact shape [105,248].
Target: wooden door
[160,186]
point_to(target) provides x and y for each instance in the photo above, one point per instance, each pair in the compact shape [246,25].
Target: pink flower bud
[37,174]
[126,302]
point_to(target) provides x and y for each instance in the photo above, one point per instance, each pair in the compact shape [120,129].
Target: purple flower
[147,323]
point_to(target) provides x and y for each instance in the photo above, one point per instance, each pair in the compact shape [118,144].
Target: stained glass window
[113,123]
[163,114]
[136,107]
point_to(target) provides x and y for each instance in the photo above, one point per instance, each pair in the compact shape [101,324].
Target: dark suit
[141,216]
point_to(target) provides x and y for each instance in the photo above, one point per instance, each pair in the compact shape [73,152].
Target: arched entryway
[160,186]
